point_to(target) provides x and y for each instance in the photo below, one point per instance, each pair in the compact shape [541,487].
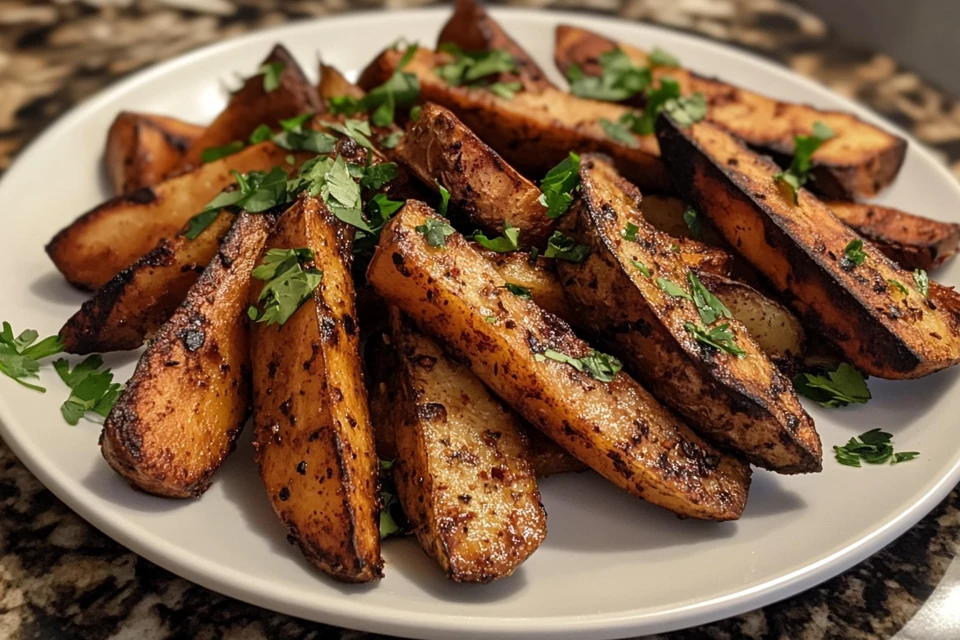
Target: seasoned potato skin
[800,250]
[252,106]
[534,130]
[143,149]
[181,412]
[745,404]
[858,163]
[912,241]
[462,471]
[112,236]
[334,84]
[547,457]
[617,428]
[313,439]
[137,301]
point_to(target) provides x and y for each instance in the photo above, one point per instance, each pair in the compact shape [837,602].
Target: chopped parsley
[415,113]
[393,521]
[290,278]
[444,199]
[435,231]
[211,154]
[356,130]
[294,137]
[833,389]
[401,90]
[255,192]
[709,306]
[558,186]
[619,78]
[798,174]
[620,131]
[629,232]
[502,244]
[642,268]
[599,366]
[391,140]
[562,247]
[272,72]
[672,289]
[684,110]
[20,356]
[693,221]
[91,389]
[896,284]
[922,281]
[475,68]
[718,337]
[505,90]
[261,134]
[661,58]
[853,254]
[517,290]
[873,447]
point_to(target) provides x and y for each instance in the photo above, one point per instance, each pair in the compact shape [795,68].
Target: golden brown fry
[143,149]
[616,427]
[313,440]
[181,412]
[801,249]
[547,457]
[333,84]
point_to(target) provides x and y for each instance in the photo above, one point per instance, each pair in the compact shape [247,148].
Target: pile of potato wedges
[533,299]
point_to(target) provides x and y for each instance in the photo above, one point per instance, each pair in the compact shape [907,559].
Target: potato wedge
[143,149]
[534,130]
[547,457]
[462,471]
[180,414]
[912,241]
[130,308]
[112,236]
[252,105]
[645,316]
[801,249]
[334,84]
[538,276]
[313,440]
[858,162]
[617,428]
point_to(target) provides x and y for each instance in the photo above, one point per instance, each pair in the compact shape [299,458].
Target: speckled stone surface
[61,578]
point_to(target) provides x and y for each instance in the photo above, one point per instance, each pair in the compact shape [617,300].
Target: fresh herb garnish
[444,199]
[693,221]
[834,389]
[391,140]
[211,154]
[873,447]
[415,112]
[272,71]
[401,90]
[685,110]
[661,58]
[922,281]
[620,131]
[718,337]
[896,284]
[565,248]
[90,388]
[505,90]
[20,356]
[558,185]
[256,192]
[629,232]
[375,176]
[290,278]
[642,268]
[470,67]
[517,290]
[356,130]
[502,244]
[672,289]
[853,253]
[798,174]
[710,308]
[393,521]
[619,79]
[599,366]
[261,134]
[435,231]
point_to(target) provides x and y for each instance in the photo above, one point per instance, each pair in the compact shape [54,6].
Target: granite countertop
[61,578]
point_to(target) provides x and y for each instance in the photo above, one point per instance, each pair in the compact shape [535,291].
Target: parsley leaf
[90,388]
[873,447]
[642,268]
[415,113]
[290,278]
[211,154]
[272,71]
[710,308]
[694,222]
[672,289]
[719,338]
[391,140]
[565,248]
[401,90]
[836,388]
[629,232]
[393,521]
[619,79]
[357,130]
[798,174]
[896,284]
[853,254]
[435,231]
[444,199]
[687,110]
[255,192]
[377,175]
[468,67]
[517,290]
[599,366]
[20,355]
[505,90]
[619,131]
[502,244]
[558,186]
[661,58]
[922,281]
[261,134]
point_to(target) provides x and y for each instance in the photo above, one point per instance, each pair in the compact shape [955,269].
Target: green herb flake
[558,186]
[517,290]
[686,110]
[415,113]
[444,199]
[619,80]
[642,268]
[672,289]
[391,140]
[435,231]
[599,366]
[290,279]
[20,356]
[853,253]
[211,154]
[873,447]
[199,223]
[709,306]
[661,58]
[272,72]
[393,521]
[619,131]
[718,337]
[505,90]
[562,247]
[629,232]
[91,389]
[832,389]
[356,130]
[922,281]
[798,174]
[261,134]
[470,67]
[694,222]
[503,244]
[897,285]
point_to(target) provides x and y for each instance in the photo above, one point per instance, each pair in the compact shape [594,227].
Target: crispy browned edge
[143,148]
[251,106]
[193,380]
[687,476]
[334,84]
[912,241]
[802,261]
[861,177]
[329,500]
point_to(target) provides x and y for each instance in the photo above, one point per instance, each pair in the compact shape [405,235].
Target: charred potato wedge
[334,84]
[858,162]
[617,428]
[534,130]
[462,471]
[180,414]
[313,440]
[143,149]
[547,457]
[801,250]
[743,403]
[912,241]
[252,105]
[112,236]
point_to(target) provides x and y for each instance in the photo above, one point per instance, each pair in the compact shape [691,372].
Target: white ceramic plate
[611,566]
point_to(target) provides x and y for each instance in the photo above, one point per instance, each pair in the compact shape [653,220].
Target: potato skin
[313,439]
[617,428]
[800,250]
[181,412]
[534,130]
[858,163]
[334,84]
[143,149]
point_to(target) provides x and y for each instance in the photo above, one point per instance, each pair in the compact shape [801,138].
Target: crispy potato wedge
[313,440]
[472,29]
[252,105]
[462,471]
[137,301]
[912,241]
[744,403]
[617,428]
[534,130]
[801,248]
[143,149]
[547,457]
[334,84]
[858,162]
[112,236]
[538,276]
[180,414]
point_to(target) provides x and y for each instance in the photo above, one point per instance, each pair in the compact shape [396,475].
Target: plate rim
[356,615]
